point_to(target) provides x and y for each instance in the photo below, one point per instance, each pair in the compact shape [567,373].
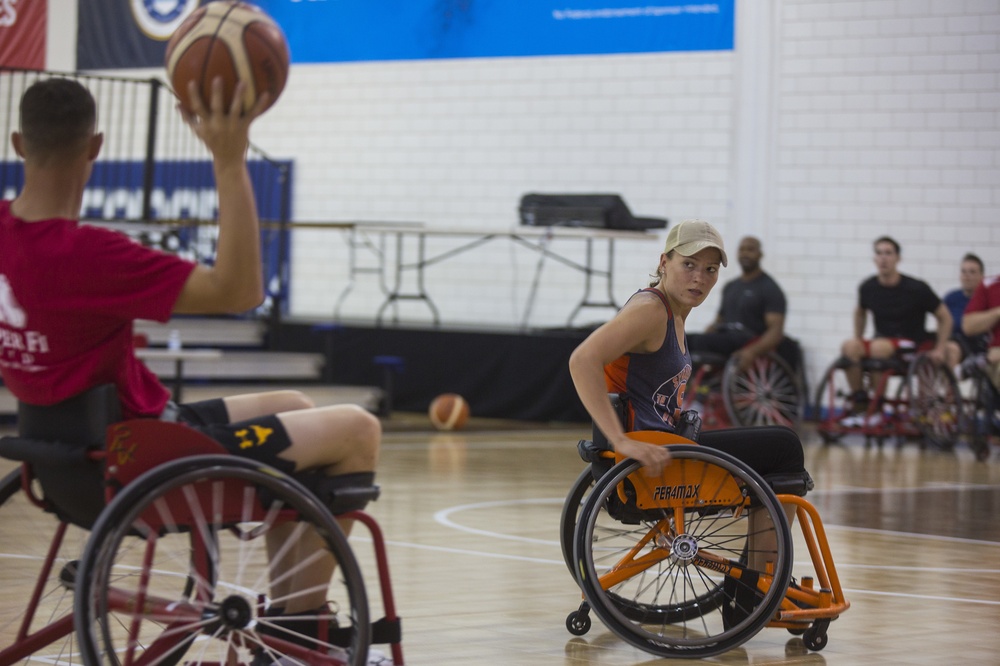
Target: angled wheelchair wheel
[983,417]
[831,404]
[570,513]
[691,563]
[177,571]
[769,392]
[935,404]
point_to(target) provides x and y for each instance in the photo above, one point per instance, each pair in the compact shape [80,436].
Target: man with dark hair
[69,294]
[961,345]
[751,318]
[899,305]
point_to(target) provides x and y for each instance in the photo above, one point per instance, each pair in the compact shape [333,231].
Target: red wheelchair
[909,396]
[175,569]
[770,392]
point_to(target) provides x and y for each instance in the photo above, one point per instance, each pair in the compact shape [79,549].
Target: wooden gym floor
[472,524]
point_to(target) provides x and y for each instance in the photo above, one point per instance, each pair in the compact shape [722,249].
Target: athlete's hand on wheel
[652,457]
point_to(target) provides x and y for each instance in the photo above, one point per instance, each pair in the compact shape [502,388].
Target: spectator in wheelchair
[751,318]
[962,346]
[899,305]
[642,354]
[982,316]
[69,293]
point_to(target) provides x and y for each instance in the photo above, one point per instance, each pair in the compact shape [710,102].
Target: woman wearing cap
[642,353]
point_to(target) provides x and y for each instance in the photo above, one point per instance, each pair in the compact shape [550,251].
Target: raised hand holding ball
[234,41]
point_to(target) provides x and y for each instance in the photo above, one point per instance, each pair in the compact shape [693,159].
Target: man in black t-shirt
[899,305]
[751,318]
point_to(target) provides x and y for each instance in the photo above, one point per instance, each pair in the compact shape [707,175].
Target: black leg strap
[341,493]
[795,483]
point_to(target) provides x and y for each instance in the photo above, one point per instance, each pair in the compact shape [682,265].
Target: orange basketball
[449,411]
[236,41]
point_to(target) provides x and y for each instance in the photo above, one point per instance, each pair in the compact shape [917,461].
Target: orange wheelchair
[697,560]
[176,569]
[913,397]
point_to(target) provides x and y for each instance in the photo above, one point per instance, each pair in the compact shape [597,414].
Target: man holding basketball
[69,294]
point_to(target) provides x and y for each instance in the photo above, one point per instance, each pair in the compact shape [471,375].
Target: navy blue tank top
[654,382]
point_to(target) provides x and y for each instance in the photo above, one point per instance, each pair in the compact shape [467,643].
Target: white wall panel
[881,116]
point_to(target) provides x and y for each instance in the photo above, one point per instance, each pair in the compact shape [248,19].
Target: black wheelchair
[696,561]
[176,569]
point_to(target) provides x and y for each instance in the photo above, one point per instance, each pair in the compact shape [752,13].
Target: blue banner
[360,30]
[182,190]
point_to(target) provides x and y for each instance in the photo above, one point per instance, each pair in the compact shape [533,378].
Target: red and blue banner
[23,26]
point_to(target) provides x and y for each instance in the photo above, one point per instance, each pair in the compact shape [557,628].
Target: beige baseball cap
[692,236]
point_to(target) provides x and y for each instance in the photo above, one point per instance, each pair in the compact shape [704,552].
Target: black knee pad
[341,493]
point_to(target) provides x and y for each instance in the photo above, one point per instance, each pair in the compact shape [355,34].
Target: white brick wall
[888,123]
[456,144]
[882,117]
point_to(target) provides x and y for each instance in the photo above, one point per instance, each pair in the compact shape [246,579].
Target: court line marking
[443,517]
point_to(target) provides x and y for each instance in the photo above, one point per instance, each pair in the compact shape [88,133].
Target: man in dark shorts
[751,318]
[69,294]
[899,305]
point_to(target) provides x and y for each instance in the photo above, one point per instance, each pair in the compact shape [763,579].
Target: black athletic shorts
[261,438]
[768,450]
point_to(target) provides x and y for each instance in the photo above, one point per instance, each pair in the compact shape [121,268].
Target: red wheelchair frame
[926,404]
[143,457]
[769,392]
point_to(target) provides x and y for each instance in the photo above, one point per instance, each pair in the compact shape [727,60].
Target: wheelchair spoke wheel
[935,404]
[688,564]
[766,393]
[178,570]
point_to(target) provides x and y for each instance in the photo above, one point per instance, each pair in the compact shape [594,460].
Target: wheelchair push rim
[184,544]
[671,568]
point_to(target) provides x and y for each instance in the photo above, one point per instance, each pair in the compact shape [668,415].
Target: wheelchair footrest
[790,484]
[387,631]
[341,493]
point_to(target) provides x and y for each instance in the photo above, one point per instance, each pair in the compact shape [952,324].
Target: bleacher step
[205,331]
[249,365]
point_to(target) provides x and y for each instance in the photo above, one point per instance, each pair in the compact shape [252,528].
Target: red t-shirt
[68,296]
[985,297]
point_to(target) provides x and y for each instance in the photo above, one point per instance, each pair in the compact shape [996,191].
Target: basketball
[449,411]
[236,41]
